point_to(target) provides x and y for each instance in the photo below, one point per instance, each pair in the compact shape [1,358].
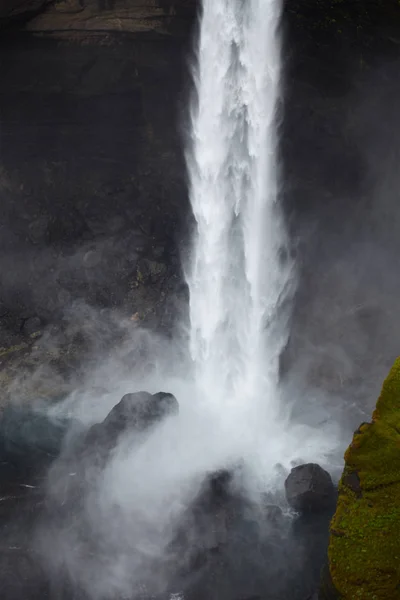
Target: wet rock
[150,271]
[310,488]
[205,527]
[140,410]
[85,234]
[135,412]
[310,531]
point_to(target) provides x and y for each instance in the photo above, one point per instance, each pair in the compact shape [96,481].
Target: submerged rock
[310,488]
[364,548]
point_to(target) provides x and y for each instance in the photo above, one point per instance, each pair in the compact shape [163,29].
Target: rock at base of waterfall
[135,412]
[309,488]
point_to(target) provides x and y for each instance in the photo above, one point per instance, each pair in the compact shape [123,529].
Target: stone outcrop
[309,488]
[137,413]
[364,550]
[170,17]
[99,16]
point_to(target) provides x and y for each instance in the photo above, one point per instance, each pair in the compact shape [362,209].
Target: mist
[344,335]
[135,523]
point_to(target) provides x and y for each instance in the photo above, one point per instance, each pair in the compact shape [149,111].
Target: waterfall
[240,273]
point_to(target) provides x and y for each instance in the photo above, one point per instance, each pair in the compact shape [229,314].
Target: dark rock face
[94,198]
[204,529]
[310,488]
[339,161]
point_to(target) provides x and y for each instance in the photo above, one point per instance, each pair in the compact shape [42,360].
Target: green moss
[35,335]
[364,550]
[12,349]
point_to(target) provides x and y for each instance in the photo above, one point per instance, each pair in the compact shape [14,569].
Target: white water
[241,276]
[238,279]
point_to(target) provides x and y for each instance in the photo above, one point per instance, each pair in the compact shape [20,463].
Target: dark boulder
[135,412]
[310,488]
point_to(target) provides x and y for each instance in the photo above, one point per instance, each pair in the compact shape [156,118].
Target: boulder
[135,412]
[364,547]
[310,488]
[206,514]
[85,454]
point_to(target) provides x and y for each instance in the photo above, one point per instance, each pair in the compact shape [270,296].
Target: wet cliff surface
[340,146]
[93,183]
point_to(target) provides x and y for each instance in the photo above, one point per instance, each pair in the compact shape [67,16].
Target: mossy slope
[364,550]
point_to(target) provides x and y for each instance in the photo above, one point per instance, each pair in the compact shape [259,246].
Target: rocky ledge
[99,16]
